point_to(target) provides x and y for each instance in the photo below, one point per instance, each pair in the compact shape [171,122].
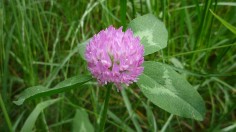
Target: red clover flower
[115,57]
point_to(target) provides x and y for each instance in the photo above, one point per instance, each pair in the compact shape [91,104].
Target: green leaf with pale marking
[151,31]
[81,122]
[170,91]
[30,121]
[40,91]
[226,24]
[82,47]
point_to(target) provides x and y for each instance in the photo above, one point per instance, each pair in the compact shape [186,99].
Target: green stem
[5,114]
[123,8]
[104,110]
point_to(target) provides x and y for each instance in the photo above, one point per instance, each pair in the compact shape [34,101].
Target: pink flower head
[115,56]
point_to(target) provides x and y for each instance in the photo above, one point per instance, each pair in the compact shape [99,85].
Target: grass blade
[130,111]
[226,24]
[81,122]
[30,121]
[167,123]
[119,121]
[5,114]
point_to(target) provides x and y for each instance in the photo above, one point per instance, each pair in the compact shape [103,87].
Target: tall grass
[39,46]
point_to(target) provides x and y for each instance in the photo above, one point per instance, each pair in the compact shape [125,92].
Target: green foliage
[40,91]
[170,91]
[81,122]
[39,46]
[82,47]
[130,111]
[30,121]
[151,31]
[226,24]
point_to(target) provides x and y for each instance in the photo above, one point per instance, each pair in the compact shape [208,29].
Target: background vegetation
[38,38]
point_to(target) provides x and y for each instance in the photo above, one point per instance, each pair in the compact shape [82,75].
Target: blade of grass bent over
[226,24]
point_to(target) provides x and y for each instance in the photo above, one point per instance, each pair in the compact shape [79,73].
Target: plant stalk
[105,107]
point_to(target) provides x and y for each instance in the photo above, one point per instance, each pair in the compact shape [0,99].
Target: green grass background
[38,37]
